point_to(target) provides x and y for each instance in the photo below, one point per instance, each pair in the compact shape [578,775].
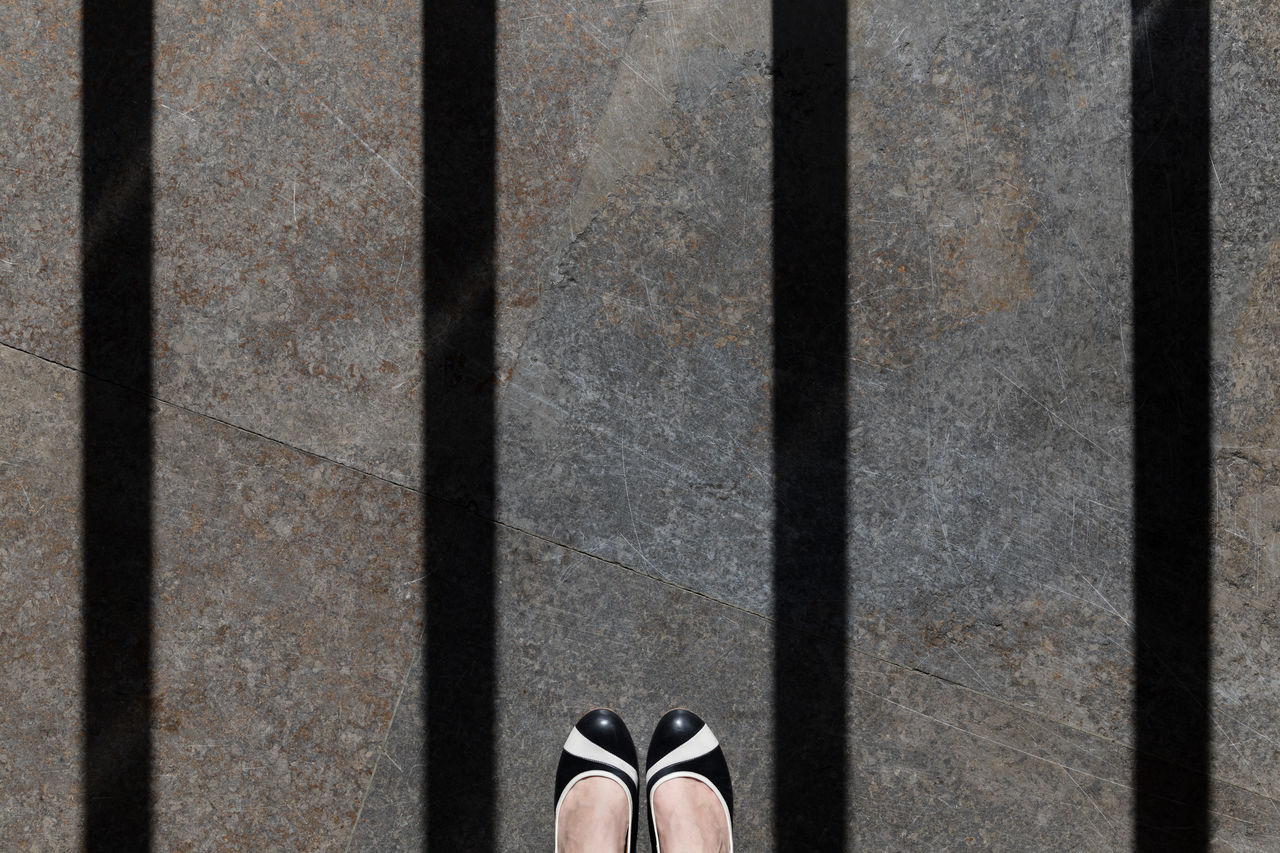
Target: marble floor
[341,529]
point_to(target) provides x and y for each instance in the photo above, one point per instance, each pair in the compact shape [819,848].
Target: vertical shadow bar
[809,426]
[1172,419]
[116,466]
[459,223]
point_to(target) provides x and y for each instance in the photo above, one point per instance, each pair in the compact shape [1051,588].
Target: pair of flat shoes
[682,746]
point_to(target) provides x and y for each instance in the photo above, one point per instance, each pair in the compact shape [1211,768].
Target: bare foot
[689,818]
[593,818]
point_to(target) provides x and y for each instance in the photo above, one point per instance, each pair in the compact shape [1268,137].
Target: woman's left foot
[688,816]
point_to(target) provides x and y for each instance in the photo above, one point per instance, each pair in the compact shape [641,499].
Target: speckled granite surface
[40,601]
[288,200]
[932,766]
[286,613]
[991,673]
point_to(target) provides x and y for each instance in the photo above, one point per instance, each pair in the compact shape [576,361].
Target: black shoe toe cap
[606,729]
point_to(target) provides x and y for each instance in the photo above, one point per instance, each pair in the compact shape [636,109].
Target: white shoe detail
[579,745]
[700,744]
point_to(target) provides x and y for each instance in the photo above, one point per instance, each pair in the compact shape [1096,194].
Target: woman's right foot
[689,818]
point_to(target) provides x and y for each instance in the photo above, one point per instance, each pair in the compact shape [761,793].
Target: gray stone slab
[989,407]
[285,618]
[39,604]
[1246,484]
[932,765]
[636,426]
[1008,531]
[989,397]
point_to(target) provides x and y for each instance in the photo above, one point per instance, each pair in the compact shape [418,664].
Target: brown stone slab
[285,616]
[40,188]
[288,199]
[40,574]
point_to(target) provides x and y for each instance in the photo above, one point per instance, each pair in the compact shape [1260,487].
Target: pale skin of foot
[688,816]
[593,818]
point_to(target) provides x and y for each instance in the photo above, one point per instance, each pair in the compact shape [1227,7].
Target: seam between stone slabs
[382,750]
[361,471]
[417,646]
[897,665]
[214,418]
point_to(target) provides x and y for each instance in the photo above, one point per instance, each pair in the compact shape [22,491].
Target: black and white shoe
[600,745]
[684,747]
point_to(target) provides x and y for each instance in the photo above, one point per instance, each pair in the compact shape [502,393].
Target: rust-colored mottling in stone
[39,606]
[1247,526]
[285,619]
[287,236]
[40,187]
[939,211]
[677,255]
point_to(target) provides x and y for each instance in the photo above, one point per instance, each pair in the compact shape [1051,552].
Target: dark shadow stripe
[809,423]
[116,466]
[1172,421]
[459,222]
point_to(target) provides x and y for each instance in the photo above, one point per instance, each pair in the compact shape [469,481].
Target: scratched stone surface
[989,405]
[636,426]
[931,766]
[285,617]
[287,165]
[990,681]
[39,604]
[988,291]
[40,192]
